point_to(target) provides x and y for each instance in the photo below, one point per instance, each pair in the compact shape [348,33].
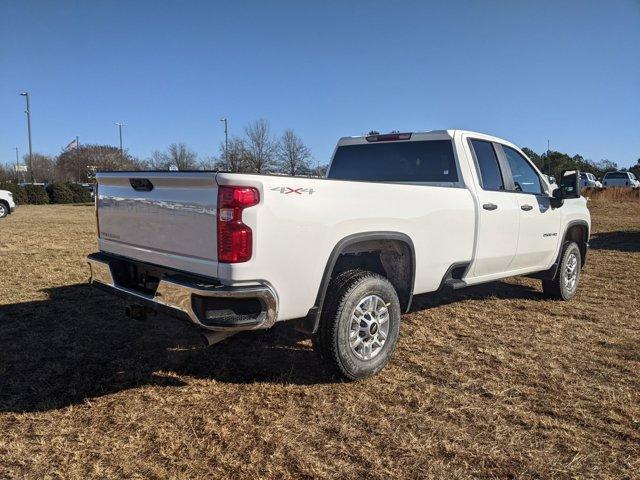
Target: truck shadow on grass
[78,345]
[622,241]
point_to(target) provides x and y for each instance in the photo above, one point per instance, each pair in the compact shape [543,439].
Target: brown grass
[613,194]
[494,381]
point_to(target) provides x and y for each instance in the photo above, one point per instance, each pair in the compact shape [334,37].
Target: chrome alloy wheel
[571,272]
[369,327]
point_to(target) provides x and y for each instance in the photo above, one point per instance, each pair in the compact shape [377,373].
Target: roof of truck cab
[429,135]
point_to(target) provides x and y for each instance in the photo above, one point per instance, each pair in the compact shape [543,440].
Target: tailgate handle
[141,184]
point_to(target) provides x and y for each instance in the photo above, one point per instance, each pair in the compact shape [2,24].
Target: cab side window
[525,177]
[489,169]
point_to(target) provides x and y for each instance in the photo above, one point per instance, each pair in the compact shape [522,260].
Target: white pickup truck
[7,205]
[398,215]
[620,180]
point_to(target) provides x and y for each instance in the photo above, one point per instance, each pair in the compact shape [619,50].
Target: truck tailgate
[167,218]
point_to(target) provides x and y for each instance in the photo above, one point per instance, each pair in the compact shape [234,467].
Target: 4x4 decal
[288,190]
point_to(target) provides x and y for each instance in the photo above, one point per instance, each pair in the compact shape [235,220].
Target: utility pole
[548,159]
[120,125]
[75,155]
[226,142]
[28,112]
[17,167]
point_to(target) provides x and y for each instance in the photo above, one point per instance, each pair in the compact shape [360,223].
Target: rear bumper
[190,298]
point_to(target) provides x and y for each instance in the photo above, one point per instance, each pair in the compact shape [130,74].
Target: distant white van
[620,180]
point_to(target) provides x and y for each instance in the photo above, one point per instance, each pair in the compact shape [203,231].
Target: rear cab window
[422,161]
[487,164]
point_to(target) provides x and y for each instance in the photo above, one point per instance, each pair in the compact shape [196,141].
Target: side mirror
[569,188]
[570,184]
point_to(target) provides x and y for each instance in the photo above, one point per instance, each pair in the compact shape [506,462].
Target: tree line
[553,162]
[257,150]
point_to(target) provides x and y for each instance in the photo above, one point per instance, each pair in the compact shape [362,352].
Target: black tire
[4,209]
[560,288]
[332,340]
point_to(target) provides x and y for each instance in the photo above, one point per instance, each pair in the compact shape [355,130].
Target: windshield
[423,161]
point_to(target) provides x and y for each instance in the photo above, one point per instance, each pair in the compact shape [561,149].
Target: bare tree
[293,155]
[182,156]
[177,154]
[320,171]
[43,167]
[79,164]
[208,163]
[6,173]
[261,148]
[236,158]
[158,161]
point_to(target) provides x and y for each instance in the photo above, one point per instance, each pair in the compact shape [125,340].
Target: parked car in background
[620,180]
[7,205]
[589,180]
[398,215]
[90,188]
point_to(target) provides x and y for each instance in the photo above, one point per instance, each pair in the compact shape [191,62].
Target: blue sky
[567,70]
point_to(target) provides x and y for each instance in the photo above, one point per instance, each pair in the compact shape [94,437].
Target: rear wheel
[565,284]
[359,325]
[4,210]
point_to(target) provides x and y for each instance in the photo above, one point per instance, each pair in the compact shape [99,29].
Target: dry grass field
[492,382]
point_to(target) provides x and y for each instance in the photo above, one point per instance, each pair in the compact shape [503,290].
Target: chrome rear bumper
[176,296]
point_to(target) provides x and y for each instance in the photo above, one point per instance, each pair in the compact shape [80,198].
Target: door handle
[489,206]
[526,208]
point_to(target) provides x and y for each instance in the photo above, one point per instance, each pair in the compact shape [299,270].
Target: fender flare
[310,323]
[550,273]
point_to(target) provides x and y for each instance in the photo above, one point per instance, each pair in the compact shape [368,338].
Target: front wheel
[359,325]
[4,210]
[565,284]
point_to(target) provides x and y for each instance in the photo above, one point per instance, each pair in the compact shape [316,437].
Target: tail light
[235,239]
